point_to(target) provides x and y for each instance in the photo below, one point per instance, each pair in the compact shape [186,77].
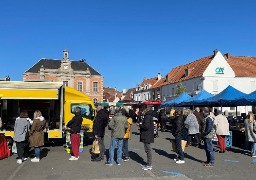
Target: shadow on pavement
[136,133]
[44,152]
[192,158]
[164,153]
[134,156]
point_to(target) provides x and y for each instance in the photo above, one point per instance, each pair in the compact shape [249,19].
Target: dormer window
[186,73]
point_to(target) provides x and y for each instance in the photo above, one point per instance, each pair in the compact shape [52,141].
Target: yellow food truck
[56,102]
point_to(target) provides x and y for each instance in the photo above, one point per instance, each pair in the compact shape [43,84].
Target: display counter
[238,135]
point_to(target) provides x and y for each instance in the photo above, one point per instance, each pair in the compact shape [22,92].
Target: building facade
[213,74]
[148,90]
[76,74]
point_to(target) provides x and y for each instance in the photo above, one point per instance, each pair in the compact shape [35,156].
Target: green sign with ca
[219,70]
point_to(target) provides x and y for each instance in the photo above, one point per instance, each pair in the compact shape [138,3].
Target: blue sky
[124,40]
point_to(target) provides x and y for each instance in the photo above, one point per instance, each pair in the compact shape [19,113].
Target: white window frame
[95,89]
[80,86]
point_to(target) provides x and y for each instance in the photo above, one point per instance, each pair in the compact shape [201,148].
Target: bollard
[81,146]
[68,143]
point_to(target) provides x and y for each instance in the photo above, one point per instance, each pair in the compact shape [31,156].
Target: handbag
[95,147]
[183,145]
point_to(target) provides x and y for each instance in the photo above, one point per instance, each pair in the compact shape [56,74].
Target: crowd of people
[196,128]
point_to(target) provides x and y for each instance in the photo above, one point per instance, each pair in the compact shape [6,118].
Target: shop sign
[219,70]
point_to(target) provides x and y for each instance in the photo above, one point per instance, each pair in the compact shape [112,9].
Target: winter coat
[75,123]
[128,130]
[221,125]
[178,126]
[21,129]
[199,118]
[192,124]
[118,124]
[207,128]
[100,123]
[147,128]
[249,134]
[36,135]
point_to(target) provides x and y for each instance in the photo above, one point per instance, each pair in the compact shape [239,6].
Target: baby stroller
[155,121]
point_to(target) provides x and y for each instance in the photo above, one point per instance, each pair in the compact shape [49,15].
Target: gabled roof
[243,66]
[110,94]
[55,64]
[158,84]
[128,95]
[150,81]
[195,69]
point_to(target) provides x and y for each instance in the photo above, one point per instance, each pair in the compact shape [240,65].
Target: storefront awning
[28,94]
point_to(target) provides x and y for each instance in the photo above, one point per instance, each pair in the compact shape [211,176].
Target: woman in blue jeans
[36,137]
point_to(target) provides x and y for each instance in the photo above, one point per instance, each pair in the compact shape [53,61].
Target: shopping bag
[4,149]
[183,145]
[14,148]
[95,147]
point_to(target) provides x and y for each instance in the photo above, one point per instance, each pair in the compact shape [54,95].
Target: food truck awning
[29,90]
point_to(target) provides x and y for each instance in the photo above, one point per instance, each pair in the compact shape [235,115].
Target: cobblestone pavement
[234,164]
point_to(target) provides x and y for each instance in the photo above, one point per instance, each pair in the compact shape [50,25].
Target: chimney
[159,76]
[215,52]
[65,54]
[8,78]
[228,55]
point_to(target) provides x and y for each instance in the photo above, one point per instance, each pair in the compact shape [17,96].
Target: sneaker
[180,162]
[73,158]
[126,159]
[19,161]
[24,159]
[147,168]
[205,162]
[209,165]
[35,160]
[175,159]
[119,164]
[108,164]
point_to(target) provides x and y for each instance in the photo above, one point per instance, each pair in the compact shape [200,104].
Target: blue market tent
[174,102]
[249,99]
[227,97]
[202,95]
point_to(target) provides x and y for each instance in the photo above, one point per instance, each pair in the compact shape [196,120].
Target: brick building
[76,74]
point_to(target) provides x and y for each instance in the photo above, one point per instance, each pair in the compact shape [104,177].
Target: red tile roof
[150,81]
[195,69]
[110,94]
[158,84]
[128,95]
[243,66]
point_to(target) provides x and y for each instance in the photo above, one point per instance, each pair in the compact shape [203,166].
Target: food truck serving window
[86,110]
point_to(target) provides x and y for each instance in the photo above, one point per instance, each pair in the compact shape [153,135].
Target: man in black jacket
[147,135]
[75,126]
[177,132]
[99,125]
